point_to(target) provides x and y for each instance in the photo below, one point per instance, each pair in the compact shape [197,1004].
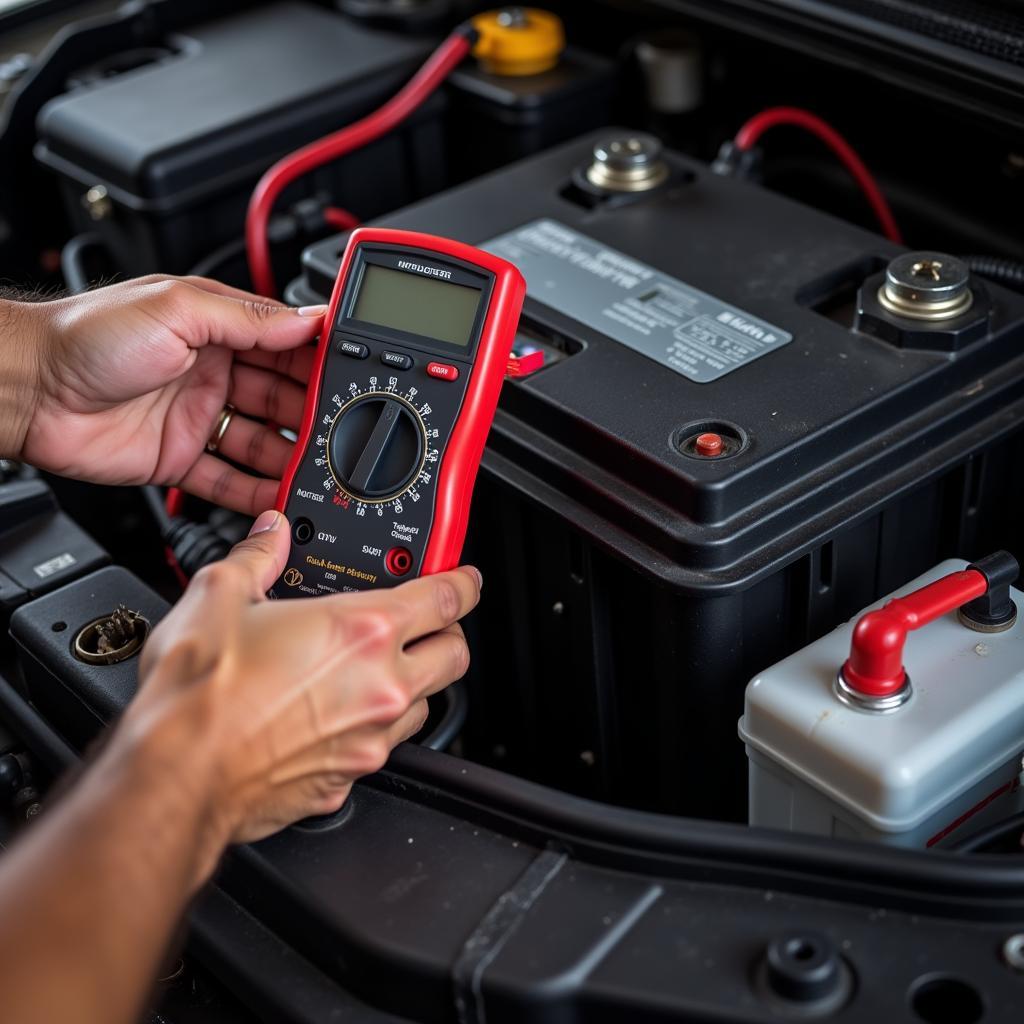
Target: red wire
[415,92]
[340,219]
[748,135]
[173,501]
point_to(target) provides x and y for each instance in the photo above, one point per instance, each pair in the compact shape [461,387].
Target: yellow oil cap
[518,40]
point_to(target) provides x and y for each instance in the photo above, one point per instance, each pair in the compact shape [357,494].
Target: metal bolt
[513,17]
[926,286]
[1013,952]
[97,203]
[628,163]
[928,270]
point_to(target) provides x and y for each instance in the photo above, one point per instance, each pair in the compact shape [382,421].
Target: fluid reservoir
[525,91]
[516,41]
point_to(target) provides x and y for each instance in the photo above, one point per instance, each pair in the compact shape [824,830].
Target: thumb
[262,556]
[203,317]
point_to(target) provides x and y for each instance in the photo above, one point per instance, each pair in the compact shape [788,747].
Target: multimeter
[401,397]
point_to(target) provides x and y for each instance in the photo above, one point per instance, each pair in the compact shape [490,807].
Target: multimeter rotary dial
[376,447]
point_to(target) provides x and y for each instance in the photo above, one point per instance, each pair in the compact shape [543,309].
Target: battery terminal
[111,638]
[873,677]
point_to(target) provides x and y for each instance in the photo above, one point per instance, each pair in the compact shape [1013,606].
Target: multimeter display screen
[420,305]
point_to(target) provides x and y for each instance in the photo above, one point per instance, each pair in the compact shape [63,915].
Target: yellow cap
[518,40]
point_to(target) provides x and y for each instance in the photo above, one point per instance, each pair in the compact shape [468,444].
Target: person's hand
[132,379]
[270,710]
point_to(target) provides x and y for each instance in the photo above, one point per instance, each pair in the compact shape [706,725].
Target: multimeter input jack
[398,561]
[302,531]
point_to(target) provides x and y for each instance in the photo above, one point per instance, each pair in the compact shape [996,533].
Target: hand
[270,710]
[132,379]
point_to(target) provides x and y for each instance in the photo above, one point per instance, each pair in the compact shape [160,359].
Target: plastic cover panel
[993,29]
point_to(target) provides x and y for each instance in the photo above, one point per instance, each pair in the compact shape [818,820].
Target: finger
[266,395]
[409,724]
[214,287]
[255,445]
[205,317]
[295,363]
[207,615]
[433,602]
[436,662]
[262,556]
[214,480]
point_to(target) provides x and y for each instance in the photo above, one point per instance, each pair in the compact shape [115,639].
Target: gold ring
[221,428]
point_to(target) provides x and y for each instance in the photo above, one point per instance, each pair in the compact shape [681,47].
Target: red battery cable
[331,147]
[751,132]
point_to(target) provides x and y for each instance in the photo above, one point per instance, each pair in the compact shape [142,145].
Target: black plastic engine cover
[179,141]
[75,697]
[40,547]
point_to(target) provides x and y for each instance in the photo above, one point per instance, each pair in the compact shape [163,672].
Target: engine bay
[741,737]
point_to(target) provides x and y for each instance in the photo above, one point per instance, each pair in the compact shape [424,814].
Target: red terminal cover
[461,458]
[875,665]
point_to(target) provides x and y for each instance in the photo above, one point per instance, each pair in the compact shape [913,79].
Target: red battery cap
[443,371]
[709,445]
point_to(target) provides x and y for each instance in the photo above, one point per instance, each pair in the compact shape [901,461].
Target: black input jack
[302,531]
[111,638]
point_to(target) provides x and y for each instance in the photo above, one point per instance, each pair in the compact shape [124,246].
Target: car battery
[732,447]
[160,160]
[926,770]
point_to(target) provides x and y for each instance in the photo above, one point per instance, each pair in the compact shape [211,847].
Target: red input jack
[398,561]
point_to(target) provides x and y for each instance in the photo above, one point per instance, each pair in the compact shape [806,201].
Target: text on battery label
[52,565]
[679,326]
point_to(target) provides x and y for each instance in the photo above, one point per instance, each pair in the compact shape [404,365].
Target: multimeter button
[442,371]
[399,360]
[353,349]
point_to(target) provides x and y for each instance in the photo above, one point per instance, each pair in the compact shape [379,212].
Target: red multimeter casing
[401,397]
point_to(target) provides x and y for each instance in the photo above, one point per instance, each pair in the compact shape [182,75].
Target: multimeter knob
[376,448]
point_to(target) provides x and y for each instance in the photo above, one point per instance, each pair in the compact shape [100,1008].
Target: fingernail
[311,311]
[269,520]
[479,577]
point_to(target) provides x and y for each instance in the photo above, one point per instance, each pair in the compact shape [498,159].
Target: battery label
[680,327]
